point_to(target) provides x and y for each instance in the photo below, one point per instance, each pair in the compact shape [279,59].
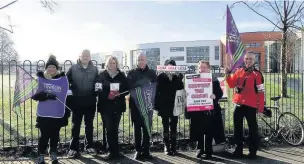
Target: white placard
[199,89]
[172,68]
[114,86]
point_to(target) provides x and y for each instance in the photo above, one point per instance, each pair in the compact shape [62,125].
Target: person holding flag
[52,113]
[248,84]
[111,102]
[167,85]
[141,82]
[248,98]
[204,123]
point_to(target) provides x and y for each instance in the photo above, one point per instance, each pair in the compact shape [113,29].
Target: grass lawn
[12,127]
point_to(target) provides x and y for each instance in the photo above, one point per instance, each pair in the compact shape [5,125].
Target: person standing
[138,77]
[167,85]
[82,78]
[248,99]
[51,113]
[111,102]
[203,122]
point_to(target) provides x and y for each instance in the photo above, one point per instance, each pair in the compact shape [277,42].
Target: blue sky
[105,26]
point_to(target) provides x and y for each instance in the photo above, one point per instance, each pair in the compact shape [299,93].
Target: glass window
[177,58]
[195,54]
[216,53]
[176,49]
[253,45]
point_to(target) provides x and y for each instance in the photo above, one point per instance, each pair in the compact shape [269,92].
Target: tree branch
[281,17]
[256,12]
[8,4]
[293,2]
[300,8]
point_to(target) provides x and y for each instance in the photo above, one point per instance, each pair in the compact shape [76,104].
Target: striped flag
[234,46]
[25,87]
[144,100]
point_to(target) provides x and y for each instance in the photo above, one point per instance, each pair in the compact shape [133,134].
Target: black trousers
[111,122]
[250,114]
[172,123]
[207,146]
[142,139]
[48,134]
[77,116]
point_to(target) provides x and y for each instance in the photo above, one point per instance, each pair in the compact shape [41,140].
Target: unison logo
[52,87]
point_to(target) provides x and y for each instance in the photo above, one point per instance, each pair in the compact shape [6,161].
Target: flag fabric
[25,87]
[234,46]
[144,98]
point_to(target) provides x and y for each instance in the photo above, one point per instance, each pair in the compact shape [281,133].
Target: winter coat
[45,122]
[165,93]
[138,77]
[105,105]
[82,84]
[208,122]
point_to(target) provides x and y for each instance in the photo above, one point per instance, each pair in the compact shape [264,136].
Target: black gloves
[43,96]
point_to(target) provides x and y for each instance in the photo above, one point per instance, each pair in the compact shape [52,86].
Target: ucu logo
[52,88]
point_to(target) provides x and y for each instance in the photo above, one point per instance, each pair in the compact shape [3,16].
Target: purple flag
[144,100]
[25,87]
[234,46]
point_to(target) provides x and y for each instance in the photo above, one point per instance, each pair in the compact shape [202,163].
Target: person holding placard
[202,121]
[111,104]
[248,84]
[51,110]
[167,85]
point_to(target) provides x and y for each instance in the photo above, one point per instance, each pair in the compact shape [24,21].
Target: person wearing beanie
[51,110]
[82,78]
[167,85]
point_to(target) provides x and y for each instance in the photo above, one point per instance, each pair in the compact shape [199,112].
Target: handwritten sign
[199,89]
[172,68]
[223,86]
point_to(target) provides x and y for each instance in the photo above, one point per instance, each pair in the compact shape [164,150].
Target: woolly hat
[52,61]
[171,62]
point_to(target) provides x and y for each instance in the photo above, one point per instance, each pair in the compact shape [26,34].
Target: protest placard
[199,89]
[172,68]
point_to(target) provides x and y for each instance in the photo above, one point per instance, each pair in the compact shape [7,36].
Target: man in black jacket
[138,77]
[82,77]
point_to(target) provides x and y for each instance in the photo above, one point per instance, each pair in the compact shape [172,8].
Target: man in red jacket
[248,99]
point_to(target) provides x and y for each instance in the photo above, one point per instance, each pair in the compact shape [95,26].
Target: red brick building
[254,42]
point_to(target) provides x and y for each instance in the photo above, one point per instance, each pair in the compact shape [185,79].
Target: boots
[238,153]
[166,144]
[173,143]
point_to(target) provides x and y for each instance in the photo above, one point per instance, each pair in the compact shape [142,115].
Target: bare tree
[48,4]
[7,51]
[287,15]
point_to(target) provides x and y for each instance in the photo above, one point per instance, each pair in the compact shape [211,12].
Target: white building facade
[183,52]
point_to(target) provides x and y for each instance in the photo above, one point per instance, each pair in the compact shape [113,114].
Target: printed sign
[199,89]
[223,86]
[172,68]
[114,86]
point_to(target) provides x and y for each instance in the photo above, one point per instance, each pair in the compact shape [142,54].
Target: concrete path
[281,155]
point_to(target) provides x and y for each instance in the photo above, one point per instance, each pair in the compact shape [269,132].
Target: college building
[183,52]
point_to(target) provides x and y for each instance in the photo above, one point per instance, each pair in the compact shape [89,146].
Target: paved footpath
[280,155]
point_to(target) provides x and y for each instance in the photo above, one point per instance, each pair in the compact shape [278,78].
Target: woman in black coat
[48,125]
[167,85]
[207,122]
[111,102]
